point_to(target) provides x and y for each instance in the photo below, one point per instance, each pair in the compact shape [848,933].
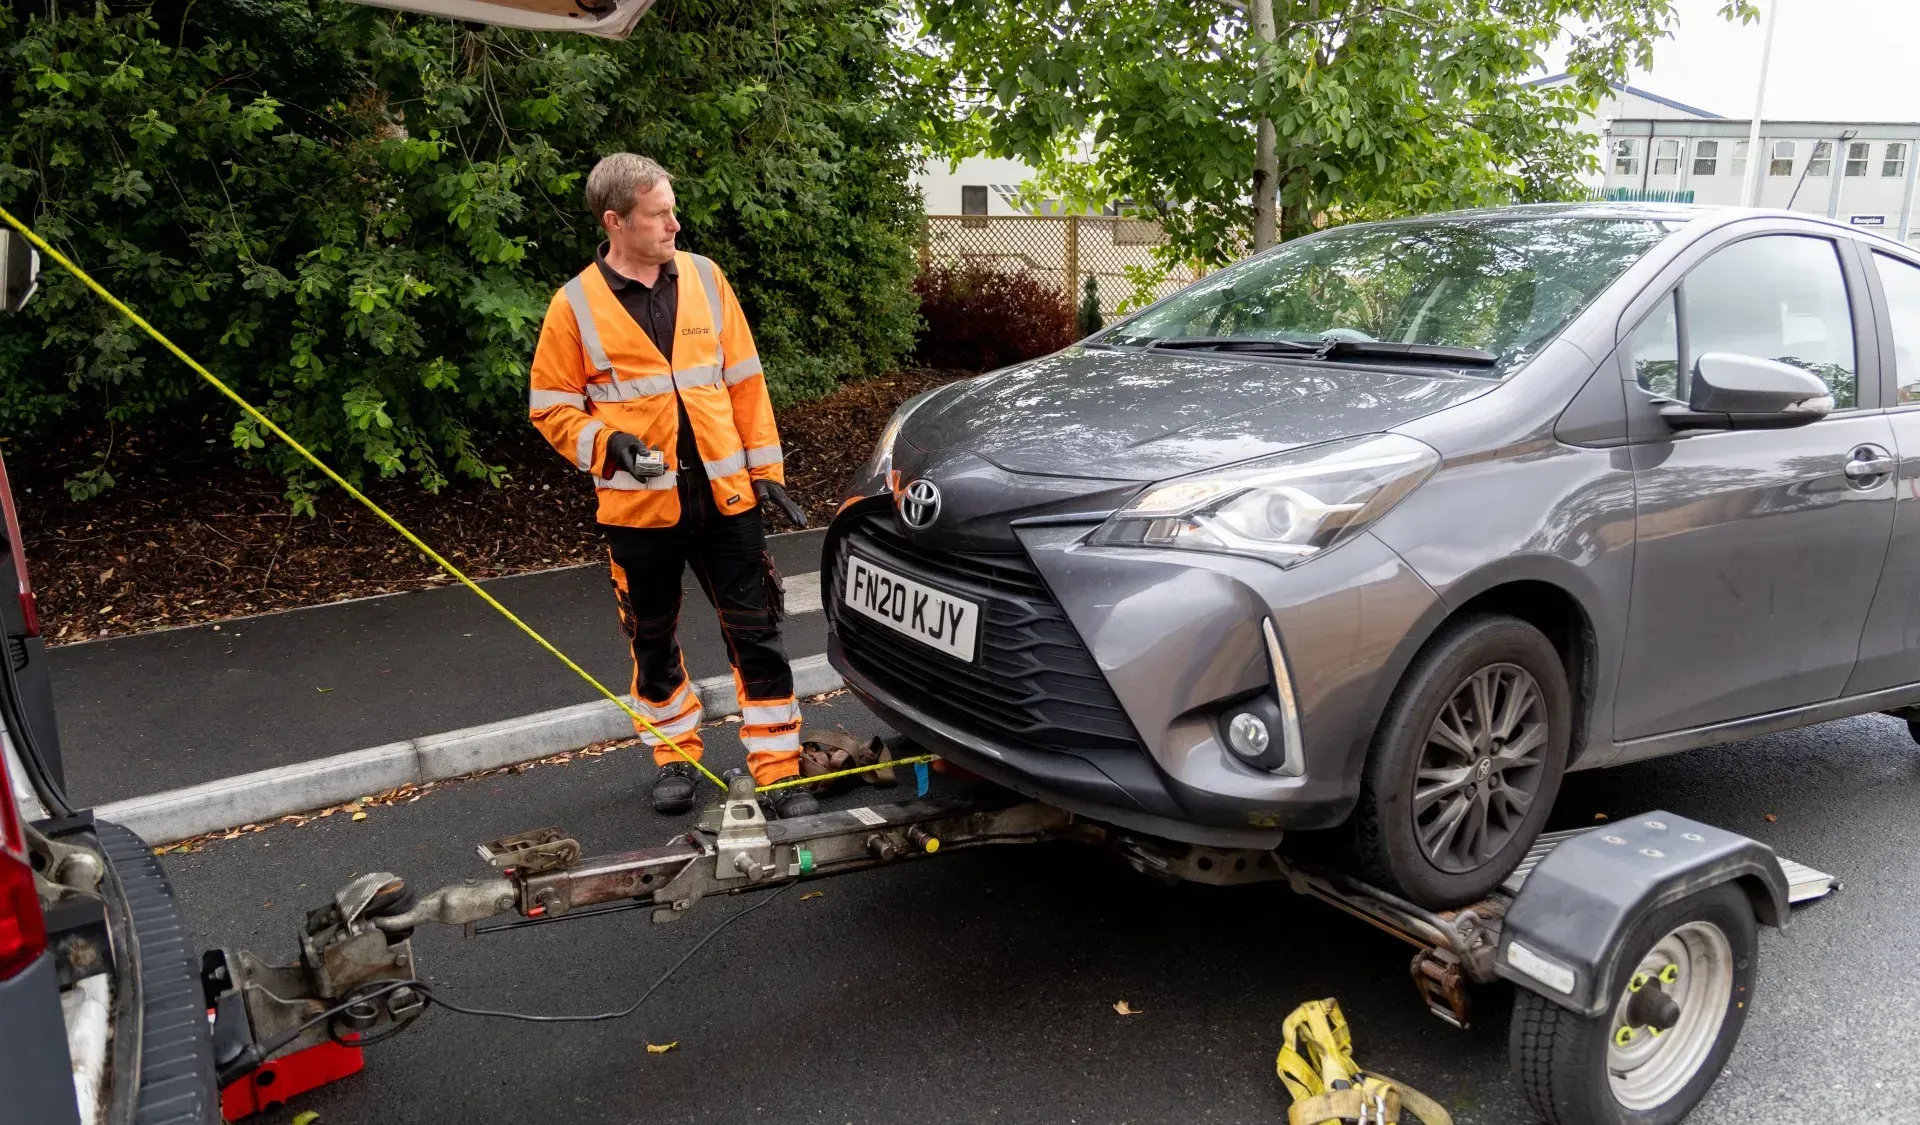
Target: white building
[1859,172]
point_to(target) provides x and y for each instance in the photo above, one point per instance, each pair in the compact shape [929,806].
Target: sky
[1833,60]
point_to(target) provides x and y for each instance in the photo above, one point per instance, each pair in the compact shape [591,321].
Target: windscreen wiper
[1332,349]
[1387,349]
[1237,343]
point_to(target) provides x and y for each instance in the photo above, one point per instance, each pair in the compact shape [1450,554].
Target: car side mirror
[1743,392]
[19,270]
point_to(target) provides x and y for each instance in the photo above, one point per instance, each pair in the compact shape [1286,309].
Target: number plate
[933,617]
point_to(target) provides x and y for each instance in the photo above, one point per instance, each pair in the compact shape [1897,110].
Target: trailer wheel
[1650,1058]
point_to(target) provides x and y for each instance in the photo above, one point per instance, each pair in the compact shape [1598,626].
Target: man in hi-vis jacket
[646,378]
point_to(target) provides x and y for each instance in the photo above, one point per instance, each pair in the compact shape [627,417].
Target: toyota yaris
[1388,527]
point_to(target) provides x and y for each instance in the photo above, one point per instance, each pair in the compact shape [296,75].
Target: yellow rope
[87,280]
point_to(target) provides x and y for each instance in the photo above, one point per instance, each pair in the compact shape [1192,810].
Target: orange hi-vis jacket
[595,372]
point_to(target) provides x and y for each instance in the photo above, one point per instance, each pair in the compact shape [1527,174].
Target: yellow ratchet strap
[1328,1087]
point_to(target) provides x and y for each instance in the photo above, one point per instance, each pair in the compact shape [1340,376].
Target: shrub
[979,316]
[357,217]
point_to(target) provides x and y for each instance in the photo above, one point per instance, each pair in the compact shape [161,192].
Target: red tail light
[27,608]
[23,931]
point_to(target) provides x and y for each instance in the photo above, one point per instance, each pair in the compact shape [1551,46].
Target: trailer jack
[1573,927]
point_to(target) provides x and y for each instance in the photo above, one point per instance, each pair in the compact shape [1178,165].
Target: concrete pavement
[978,986]
[159,711]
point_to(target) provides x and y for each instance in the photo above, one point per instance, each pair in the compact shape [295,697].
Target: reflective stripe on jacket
[595,373]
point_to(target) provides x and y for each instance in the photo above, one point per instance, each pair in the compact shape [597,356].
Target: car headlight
[1284,509]
[882,463]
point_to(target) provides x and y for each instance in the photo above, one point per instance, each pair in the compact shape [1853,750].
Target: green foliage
[1089,316]
[358,217]
[1379,110]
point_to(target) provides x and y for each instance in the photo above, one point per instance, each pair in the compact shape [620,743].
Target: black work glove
[626,453]
[770,493]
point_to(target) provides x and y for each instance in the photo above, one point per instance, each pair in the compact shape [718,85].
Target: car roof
[1713,214]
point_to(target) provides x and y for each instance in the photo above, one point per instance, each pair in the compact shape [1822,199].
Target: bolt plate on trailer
[1804,884]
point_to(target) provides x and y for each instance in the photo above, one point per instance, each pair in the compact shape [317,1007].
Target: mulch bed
[191,536]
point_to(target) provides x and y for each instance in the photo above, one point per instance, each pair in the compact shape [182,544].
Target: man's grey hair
[612,183]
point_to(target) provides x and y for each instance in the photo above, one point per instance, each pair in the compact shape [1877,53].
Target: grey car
[1385,529]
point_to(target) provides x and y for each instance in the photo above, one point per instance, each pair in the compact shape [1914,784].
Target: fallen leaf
[1127,1009]
[359,816]
[106,574]
[1771,818]
[812,894]
[323,690]
[652,1049]
[305,1117]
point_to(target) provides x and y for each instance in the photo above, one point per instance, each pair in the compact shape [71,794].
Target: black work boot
[781,804]
[789,803]
[673,789]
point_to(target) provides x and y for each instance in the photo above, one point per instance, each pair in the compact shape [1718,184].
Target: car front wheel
[1466,763]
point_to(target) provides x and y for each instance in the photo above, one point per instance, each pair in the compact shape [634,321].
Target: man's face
[646,232]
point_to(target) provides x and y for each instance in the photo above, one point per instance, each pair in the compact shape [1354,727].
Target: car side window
[1901,284]
[1654,351]
[1780,297]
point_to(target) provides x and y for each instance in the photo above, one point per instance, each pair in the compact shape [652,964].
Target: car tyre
[1466,763]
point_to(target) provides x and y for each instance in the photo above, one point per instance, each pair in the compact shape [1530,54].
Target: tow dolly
[1568,927]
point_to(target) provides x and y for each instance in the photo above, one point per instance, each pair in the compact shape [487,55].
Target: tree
[357,217]
[1274,117]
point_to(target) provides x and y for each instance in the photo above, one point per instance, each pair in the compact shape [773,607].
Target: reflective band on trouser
[678,718]
[726,466]
[576,291]
[583,445]
[744,370]
[539,400]
[626,390]
[761,456]
[770,732]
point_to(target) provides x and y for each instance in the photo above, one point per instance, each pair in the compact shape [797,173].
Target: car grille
[1034,684]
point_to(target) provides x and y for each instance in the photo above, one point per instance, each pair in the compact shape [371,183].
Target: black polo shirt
[655,308]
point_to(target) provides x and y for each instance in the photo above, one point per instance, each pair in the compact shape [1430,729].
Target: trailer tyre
[1698,954]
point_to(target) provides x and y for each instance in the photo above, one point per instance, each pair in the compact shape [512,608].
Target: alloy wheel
[1481,768]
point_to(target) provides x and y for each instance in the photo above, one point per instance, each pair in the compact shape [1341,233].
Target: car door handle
[1869,467]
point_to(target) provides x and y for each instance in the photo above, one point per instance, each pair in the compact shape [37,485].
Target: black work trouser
[729,558]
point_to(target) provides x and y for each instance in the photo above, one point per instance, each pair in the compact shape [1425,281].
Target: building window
[1896,162]
[1666,157]
[1739,158]
[1626,156]
[973,199]
[1821,162]
[1782,162]
[1857,157]
[1706,158]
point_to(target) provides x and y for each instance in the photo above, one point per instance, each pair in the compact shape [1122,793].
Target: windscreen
[1504,286]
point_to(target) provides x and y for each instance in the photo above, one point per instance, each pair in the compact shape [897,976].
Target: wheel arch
[1548,593]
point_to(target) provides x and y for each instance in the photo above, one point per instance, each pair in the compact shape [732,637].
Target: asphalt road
[978,986]
[157,711]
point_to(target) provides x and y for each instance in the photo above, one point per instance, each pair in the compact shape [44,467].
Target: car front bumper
[1176,637]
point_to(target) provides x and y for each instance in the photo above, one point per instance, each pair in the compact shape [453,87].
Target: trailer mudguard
[1564,933]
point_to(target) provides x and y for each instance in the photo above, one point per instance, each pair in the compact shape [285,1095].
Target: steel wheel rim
[1481,768]
[1644,1070]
